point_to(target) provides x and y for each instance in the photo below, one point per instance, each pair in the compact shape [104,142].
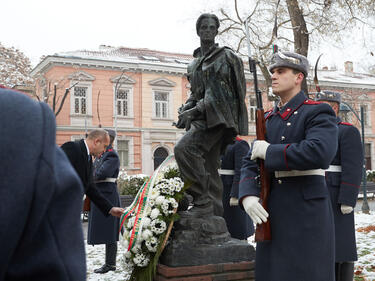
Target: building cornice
[128,65]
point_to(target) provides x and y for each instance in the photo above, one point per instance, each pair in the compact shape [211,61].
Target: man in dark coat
[238,222]
[41,235]
[80,156]
[102,229]
[301,142]
[343,180]
[213,115]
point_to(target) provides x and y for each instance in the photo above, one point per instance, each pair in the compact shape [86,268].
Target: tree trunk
[300,32]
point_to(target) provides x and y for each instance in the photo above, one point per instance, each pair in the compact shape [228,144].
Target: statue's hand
[187,117]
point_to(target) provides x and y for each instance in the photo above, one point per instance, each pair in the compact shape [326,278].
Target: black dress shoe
[105,268]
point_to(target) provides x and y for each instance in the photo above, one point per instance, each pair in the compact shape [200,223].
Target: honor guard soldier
[238,222]
[343,179]
[300,144]
[103,229]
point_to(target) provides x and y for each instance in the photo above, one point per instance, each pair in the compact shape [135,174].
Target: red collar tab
[286,113]
[311,102]
[345,123]
[268,114]
[238,139]
[111,149]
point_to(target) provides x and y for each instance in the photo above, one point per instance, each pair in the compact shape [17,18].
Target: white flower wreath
[146,221]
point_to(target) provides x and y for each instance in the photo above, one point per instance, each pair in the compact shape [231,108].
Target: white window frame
[130,101]
[88,85]
[168,107]
[366,113]
[130,150]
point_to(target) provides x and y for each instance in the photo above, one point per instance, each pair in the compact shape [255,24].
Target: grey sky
[41,27]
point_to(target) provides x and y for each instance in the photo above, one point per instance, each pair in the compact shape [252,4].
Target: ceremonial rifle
[263,231]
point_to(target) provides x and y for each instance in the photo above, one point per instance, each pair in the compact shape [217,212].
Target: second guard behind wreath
[343,179]
[239,224]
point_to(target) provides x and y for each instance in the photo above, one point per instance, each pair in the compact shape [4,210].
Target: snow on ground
[364,267]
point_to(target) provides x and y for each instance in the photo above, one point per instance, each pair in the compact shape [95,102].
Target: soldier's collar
[286,111]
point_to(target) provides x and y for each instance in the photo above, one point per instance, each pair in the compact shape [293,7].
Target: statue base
[203,240]
[222,271]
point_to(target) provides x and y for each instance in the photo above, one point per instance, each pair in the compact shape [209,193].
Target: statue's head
[207,16]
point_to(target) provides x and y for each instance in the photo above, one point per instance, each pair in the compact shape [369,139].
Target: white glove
[345,209]
[254,209]
[233,201]
[259,149]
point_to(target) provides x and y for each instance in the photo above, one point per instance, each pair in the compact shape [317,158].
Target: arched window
[159,156]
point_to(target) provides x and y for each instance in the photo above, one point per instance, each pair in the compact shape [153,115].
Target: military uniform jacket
[302,136]
[101,229]
[80,160]
[239,224]
[41,235]
[218,83]
[344,188]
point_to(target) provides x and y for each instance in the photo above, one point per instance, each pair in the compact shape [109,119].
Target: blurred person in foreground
[41,234]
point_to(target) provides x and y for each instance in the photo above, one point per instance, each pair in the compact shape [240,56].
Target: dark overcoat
[344,187]
[239,224]
[102,229]
[302,136]
[82,163]
[41,234]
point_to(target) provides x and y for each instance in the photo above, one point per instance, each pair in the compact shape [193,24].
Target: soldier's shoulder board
[311,102]
[346,123]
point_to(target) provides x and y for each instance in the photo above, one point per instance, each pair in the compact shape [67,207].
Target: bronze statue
[213,115]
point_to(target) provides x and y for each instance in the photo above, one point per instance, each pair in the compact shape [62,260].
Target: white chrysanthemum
[158,226]
[154,213]
[152,244]
[173,202]
[146,234]
[159,200]
[141,259]
[154,193]
[146,222]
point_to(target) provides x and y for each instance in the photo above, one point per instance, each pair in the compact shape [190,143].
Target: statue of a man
[213,115]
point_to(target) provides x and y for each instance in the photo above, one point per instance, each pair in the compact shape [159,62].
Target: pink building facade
[137,92]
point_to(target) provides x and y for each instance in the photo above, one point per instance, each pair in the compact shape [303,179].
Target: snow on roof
[337,76]
[123,54]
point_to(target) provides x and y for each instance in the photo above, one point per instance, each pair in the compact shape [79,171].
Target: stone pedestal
[209,272]
[201,240]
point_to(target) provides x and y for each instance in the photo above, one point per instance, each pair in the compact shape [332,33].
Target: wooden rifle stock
[263,231]
[86,205]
